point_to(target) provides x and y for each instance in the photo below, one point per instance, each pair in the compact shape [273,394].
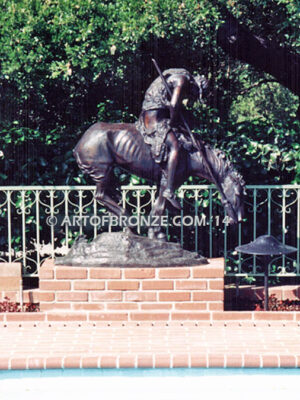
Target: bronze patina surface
[124,249]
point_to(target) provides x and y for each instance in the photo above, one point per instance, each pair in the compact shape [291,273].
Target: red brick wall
[134,294]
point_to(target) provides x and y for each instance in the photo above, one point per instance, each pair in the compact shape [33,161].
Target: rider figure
[159,121]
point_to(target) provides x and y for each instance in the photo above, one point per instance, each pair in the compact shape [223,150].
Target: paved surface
[40,345]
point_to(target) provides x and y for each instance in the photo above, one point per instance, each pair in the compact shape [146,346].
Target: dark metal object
[124,249]
[160,124]
[198,144]
[105,145]
[266,246]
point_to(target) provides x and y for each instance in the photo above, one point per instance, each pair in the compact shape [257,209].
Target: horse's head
[234,190]
[228,179]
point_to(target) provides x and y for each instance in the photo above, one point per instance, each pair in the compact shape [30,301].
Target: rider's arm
[178,84]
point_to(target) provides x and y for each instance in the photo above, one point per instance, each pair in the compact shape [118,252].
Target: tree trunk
[280,62]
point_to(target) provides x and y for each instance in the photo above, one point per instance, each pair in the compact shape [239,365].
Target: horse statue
[106,145]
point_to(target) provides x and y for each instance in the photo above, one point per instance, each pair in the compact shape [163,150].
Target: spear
[199,145]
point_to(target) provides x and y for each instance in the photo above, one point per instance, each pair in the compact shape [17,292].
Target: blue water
[146,372]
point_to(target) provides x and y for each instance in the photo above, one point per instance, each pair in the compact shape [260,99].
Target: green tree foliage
[65,64]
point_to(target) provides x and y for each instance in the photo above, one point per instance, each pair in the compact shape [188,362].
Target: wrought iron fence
[38,222]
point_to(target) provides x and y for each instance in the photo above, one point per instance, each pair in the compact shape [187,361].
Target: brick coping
[135,316]
[44,345]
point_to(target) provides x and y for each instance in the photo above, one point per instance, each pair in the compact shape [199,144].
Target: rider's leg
[170,169]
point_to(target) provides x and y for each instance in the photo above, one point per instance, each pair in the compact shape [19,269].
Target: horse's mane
[221,165]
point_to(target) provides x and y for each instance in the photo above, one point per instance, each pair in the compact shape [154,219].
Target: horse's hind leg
[105,199]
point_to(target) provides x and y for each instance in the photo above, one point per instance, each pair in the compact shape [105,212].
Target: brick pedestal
[134,294]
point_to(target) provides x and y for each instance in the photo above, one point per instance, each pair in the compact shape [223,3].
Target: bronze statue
[105,145]
[160,122]
[156,148]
